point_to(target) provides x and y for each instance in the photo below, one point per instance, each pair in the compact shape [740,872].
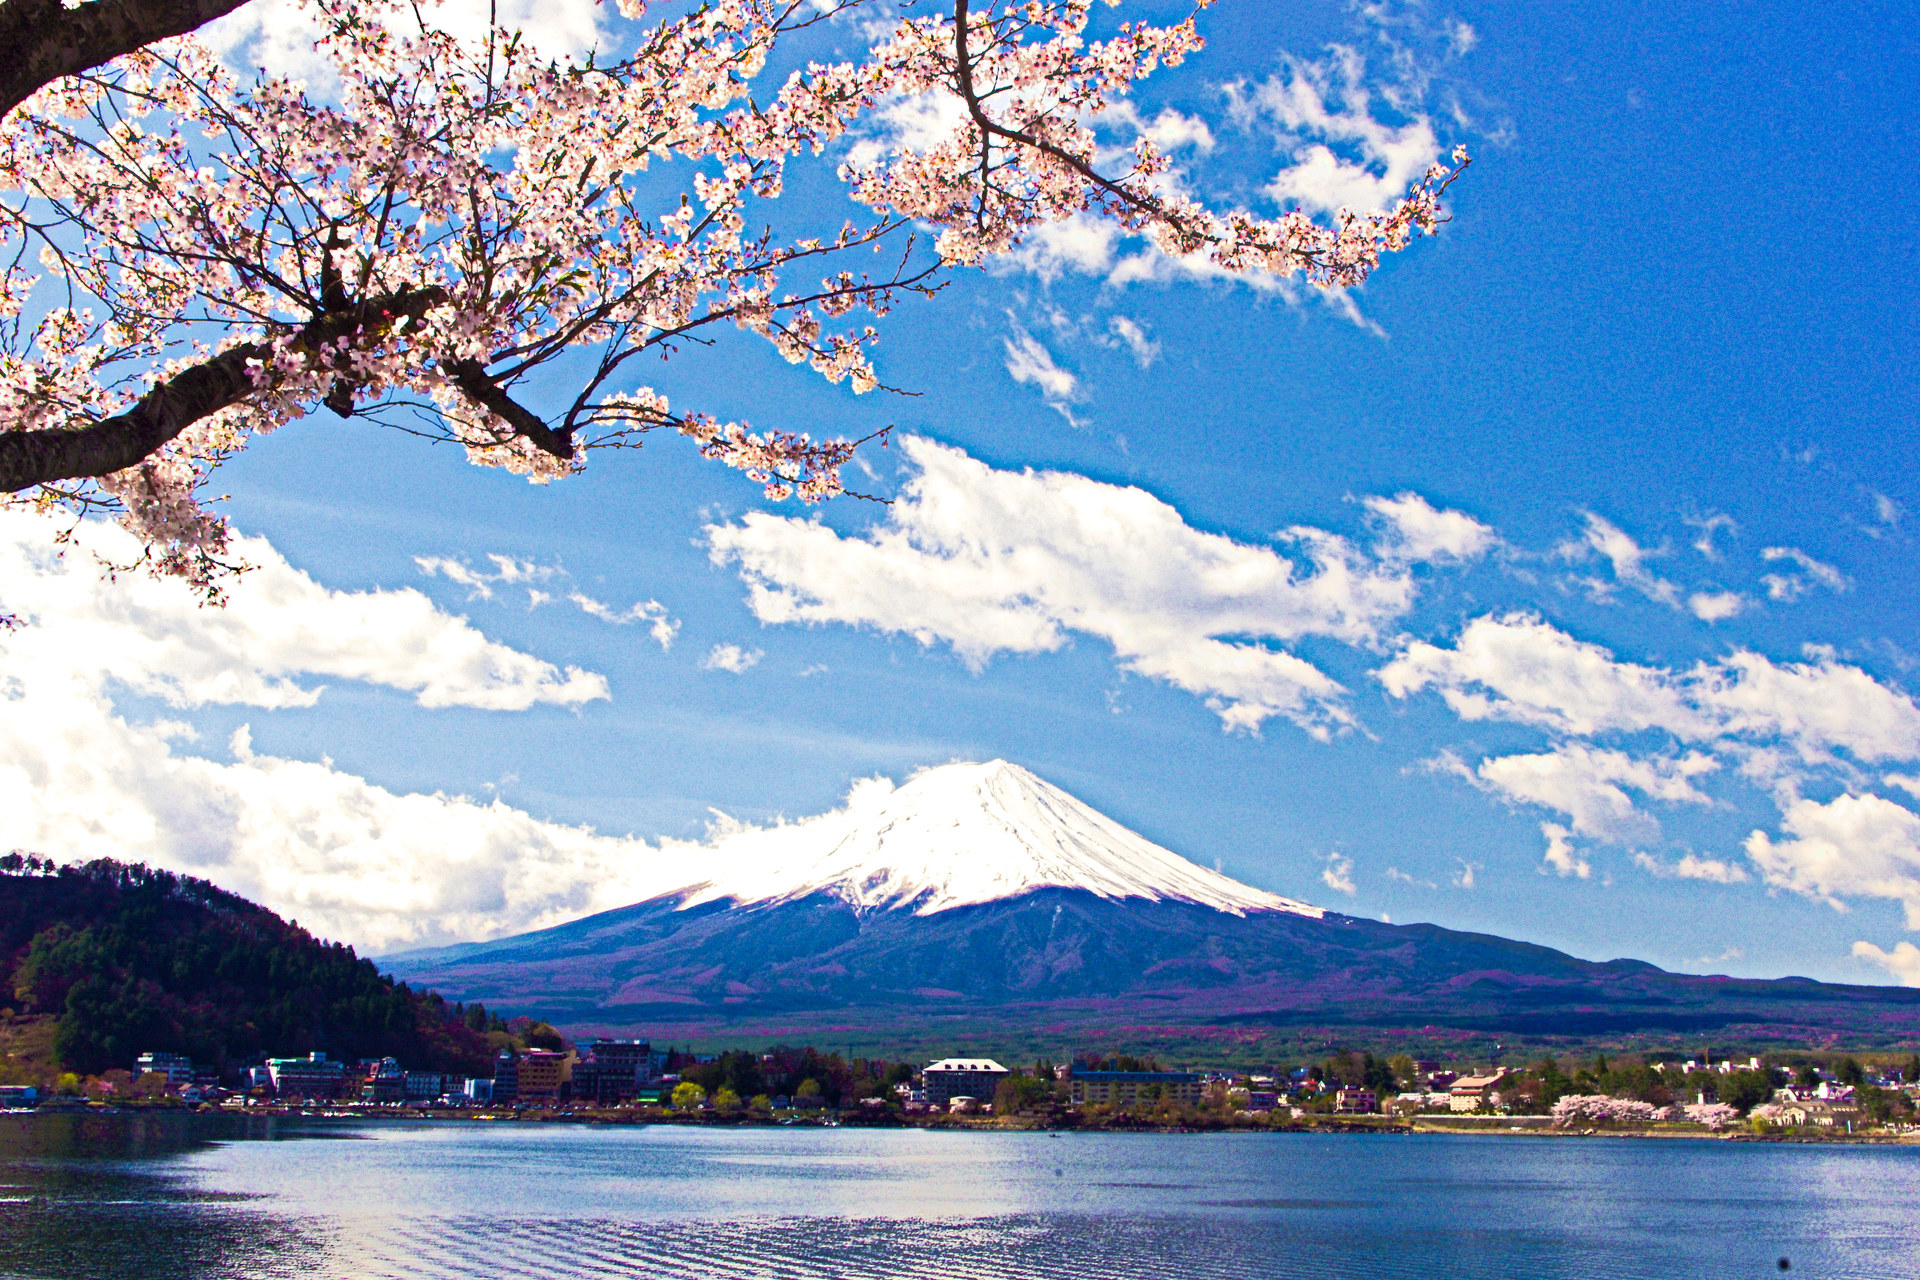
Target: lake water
[120,1198]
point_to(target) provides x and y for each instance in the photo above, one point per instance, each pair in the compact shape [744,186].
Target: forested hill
[126,959]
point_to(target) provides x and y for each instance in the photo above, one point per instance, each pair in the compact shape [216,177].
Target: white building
[952,1078]
[176,1067]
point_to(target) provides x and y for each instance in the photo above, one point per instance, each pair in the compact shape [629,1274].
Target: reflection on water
[116,1198]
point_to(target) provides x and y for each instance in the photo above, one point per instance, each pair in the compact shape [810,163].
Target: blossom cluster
[1714,1115]
[462,213]
[1598,1108]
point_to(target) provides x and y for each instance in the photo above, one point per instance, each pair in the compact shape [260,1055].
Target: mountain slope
[125,959]
[980,891]
[957,835]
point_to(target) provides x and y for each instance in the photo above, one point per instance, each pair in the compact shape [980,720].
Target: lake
[154,1197]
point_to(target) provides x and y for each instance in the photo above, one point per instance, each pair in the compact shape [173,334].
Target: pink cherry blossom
[465,214]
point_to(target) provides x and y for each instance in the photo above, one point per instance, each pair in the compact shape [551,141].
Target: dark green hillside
[124,959]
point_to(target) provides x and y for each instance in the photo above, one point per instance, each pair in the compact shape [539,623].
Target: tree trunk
[44,40]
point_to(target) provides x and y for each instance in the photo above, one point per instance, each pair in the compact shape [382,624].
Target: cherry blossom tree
[1598,1108]
[1714,1115]
[192,260]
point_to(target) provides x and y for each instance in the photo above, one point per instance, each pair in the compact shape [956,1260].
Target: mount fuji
[956,836]
[979,893]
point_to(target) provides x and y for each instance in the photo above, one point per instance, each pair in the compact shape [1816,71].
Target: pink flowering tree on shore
[1597,1108]
[1714,1115]
[189,260]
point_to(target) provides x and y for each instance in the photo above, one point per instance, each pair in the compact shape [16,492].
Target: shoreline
[1356,1126]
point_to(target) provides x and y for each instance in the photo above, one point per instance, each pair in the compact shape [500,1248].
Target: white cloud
[479,582]
[1464,878]
[1627,558]
[1030,363]
[1716,606]
[1709,526]
[510,571]
[1903,962]
[731,657]
[907,122]
[661,627]
[1416,530]
[1788,587]
[279,624]
[1589,785]
[1517,667]
[1316,107]
[1338,874]
[1145,350]
[279,35]
[1002,561]
[1851,846]
[1560,855]
[79,779]
[1784,725]
[1170,131]
[1692,867]
[1082,243]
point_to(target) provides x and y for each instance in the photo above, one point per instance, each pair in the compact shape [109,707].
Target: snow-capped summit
[953,836]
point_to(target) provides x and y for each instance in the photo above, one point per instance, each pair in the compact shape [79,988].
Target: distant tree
[536,1034]
[761,1102]
[1745,1090]
[725,1100]
[1807,1077]
[1020,1092]
[1554,1083]
[687,1095]
[125,959]
[1850,1072]
[808,1089]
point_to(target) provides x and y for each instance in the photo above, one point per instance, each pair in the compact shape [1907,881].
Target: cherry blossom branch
[29,458]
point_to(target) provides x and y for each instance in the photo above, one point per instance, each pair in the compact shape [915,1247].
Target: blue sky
[1660,356]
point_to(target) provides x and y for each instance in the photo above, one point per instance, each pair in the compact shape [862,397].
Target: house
[613,1071]
[1470,1093]
[385,1081]
[425,1086]
[1130,1088]
[314,1076]
[952,1078]
[176,1067]
[1824,1115]
[543,1074]
[1355,1102]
